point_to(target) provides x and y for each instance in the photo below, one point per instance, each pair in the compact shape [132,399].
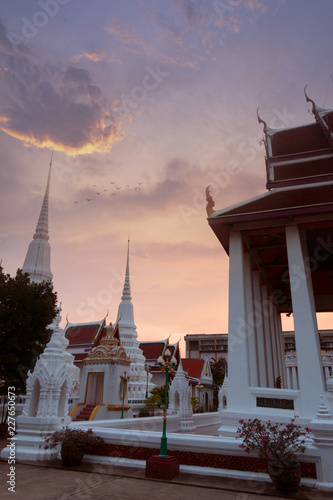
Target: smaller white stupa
[223,394]
[46,408]
[180,393]
[128,338]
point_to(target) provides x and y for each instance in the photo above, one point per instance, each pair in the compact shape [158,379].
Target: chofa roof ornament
[319,114]
[260,120]
[210,202]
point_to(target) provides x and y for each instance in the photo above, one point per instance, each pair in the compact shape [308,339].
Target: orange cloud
[95,143]
[93,56]
[255,5]
[129,39]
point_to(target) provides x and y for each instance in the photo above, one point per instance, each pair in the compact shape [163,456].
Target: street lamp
[124,379]
[199,387]
[147,368]
[166,365]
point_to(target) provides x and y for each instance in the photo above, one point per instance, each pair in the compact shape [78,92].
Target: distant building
[215,345]
[206,346]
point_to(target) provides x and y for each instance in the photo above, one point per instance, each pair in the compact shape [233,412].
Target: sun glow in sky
[144,104]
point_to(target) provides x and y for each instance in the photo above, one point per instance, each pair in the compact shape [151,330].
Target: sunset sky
[147,102]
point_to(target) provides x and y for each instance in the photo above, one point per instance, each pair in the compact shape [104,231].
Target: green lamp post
[124,379]
[147,368]
[167,364]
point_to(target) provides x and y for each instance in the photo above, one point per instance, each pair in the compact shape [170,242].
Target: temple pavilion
[280,252]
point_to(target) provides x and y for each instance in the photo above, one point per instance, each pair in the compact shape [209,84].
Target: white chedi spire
[128,337]
[127,287]
[37,260]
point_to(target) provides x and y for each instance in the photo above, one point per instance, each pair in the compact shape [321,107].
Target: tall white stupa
[37,261]
[128,336]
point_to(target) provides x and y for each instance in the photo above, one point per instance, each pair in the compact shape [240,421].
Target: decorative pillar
[238,331]
[310,372]
[272,336]
[289,386]
[294,378]
[268,342]
[251,322]
[322,430]
[280,347]
[261,341]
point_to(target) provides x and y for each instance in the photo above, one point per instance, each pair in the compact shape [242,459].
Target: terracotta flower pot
[72,454]
[285,477]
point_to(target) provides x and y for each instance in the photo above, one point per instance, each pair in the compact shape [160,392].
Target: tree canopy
[157,398]
[26,310]
[219,369]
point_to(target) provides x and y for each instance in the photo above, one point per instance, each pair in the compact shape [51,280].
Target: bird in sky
[113,194]
[137,188]
[88,199]
[97,193]
[105,191]
[76,202]
[112,182]
[94,186]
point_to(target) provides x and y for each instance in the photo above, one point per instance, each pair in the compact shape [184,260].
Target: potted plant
[279,444]
[74,444]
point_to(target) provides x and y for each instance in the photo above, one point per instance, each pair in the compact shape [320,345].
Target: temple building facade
[280,261]
[83,337]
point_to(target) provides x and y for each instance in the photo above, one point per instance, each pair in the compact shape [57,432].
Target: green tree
[219,368]
[26,310]
[157,398]
[196,405]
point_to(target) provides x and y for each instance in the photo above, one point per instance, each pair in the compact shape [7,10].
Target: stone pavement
[49,480]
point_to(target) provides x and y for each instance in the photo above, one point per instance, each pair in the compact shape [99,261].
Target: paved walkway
[49,480]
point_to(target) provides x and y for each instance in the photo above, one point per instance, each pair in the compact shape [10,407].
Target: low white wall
[187,442]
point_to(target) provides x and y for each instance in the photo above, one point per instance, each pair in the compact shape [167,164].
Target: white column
[288,378]
[294,377]
[327,372]
[261,344]
[268,343]
[280,347]
[251,322]
[310,372]
[272,334]
[238,359]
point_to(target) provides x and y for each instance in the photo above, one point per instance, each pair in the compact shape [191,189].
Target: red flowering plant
[74,437]
[275,442]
